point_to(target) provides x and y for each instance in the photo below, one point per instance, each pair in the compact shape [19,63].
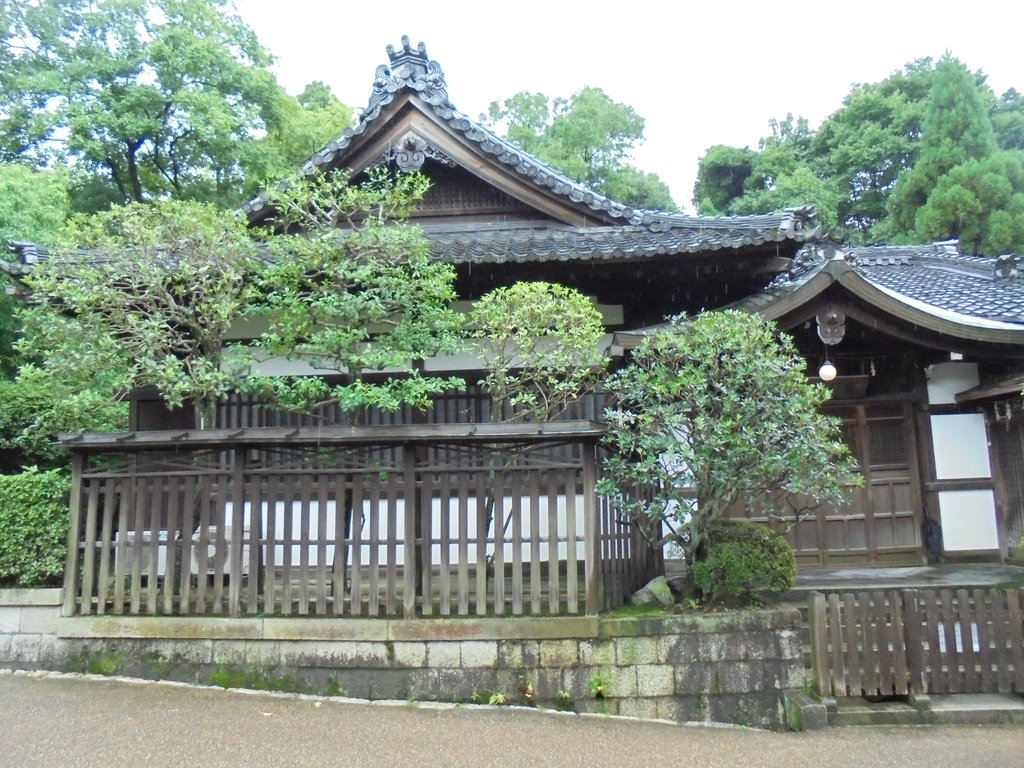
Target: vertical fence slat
[340,541]
[444,576]
[391,556]
[498,559]
[1013,611]
[571,561]
[106,542]
[255,541]
[554,585]
[321,543]
[234,547]
[817,619]
[188,521]
[153,545]
[837,632]
[89,555]
[853,644]
[954,674]
[914,642]
[899,649]
[305,509]
[968,656]
[517,544]
[373,599]
[1001,650]
[486,494]
[356,536]
[288,496]
[409,547]
[220,555]
[535,604]
[173,572]
[74,530]
[273,484]
[590,531]
[463,573]
[986,676]
[428,486]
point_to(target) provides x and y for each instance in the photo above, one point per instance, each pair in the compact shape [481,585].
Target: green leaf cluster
[746,564]
[153,297]
[33,528]
[540,348]
[351,289]
[713,412]
[588,137]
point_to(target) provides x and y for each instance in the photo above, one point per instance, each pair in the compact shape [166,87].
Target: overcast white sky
[700,74]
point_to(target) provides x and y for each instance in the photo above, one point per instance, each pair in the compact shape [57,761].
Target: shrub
[33,528]
[745,564]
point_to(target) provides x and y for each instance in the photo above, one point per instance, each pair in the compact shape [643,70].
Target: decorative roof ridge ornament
[411,69]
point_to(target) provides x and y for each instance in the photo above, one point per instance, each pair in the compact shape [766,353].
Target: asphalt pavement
[66,721]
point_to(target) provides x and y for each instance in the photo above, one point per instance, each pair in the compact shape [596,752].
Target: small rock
[654,592]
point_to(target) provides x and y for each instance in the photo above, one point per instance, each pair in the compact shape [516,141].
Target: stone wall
[727,668]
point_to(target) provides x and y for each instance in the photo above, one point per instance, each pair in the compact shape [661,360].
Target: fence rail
[917,642]
[440,525]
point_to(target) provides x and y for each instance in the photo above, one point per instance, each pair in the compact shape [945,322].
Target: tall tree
[151,97]
[588,137]
[955,128]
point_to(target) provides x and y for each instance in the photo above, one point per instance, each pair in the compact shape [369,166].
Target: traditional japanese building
[925,343]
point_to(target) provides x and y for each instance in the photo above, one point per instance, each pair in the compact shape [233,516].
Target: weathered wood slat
[305,509]
[188,517]
[356,536]
[1014,598]
[273,494]
[173,571]
[571,560]
[1000,641]
[967,660]
[837,632]
[488,515]
[986,677]
[391,548]
[288,497]
[517,544]
[535,603]
[463,571]
[952,661]
[106,543]
[89,555]
[854,642]
[322,582]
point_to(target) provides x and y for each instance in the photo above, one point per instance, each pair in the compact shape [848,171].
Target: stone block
[39,620]
[757,710]
[5,648]
[655,680]
[597,652]
[302,653]
[25,648]
[679,649]
[52,652]
[32,596]
[790,644]
[804,713]
[443,654]
[423,684]
[559,653]
[262,652]
[515,654]
[685,709]
[742,676]
[343,653]
[695,678]
[576,681]
[10,620]
[188,651]
[639,707]
[409,654]
[479,653]
[230,652]
[461,684]
[636,650]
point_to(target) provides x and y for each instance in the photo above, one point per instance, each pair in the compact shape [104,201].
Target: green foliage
[145,98]
[599,683]
[154,299]
[34,204]
[540,345]
[746,564]
[722,174]
[33,528]
[354,291]
[717,411]
[305,124]
[588,137]
[955,128]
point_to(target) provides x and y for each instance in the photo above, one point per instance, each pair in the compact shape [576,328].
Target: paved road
[71,721]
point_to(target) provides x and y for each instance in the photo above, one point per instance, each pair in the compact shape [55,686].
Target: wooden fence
[917,642]
[348,521]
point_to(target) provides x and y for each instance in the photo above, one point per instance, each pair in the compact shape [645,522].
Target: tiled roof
[411,70]
[674,235]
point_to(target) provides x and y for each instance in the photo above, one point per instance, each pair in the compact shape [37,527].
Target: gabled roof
[933,287]
[410,119]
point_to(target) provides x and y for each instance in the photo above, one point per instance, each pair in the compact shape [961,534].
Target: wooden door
[881,523]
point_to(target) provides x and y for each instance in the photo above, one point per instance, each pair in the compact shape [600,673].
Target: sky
[699,74]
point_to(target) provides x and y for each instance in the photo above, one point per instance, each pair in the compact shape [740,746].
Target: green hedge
[746,564]
[33,528]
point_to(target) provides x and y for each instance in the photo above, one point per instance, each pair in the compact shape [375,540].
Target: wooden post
[816,618]
[409,561]
[237,521]
[590,530]
[71,567]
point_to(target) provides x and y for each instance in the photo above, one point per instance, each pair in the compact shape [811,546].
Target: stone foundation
[728,668]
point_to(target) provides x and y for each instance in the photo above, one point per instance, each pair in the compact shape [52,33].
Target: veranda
[402,520]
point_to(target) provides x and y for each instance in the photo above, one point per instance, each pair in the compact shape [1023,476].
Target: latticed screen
[888,442]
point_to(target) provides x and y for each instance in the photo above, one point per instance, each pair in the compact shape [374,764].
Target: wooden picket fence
[348,521]
[917,642]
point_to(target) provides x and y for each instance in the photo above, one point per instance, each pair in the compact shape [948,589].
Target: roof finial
[417,60]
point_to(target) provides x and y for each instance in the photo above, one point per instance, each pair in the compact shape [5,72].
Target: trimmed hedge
[746,564]
[33,528]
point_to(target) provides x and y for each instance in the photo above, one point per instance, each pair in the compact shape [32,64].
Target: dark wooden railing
[348,521]
[917,642]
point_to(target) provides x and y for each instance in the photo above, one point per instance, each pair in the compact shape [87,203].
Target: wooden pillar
[411,508]
[74,532]
[591,570]
[237,523]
